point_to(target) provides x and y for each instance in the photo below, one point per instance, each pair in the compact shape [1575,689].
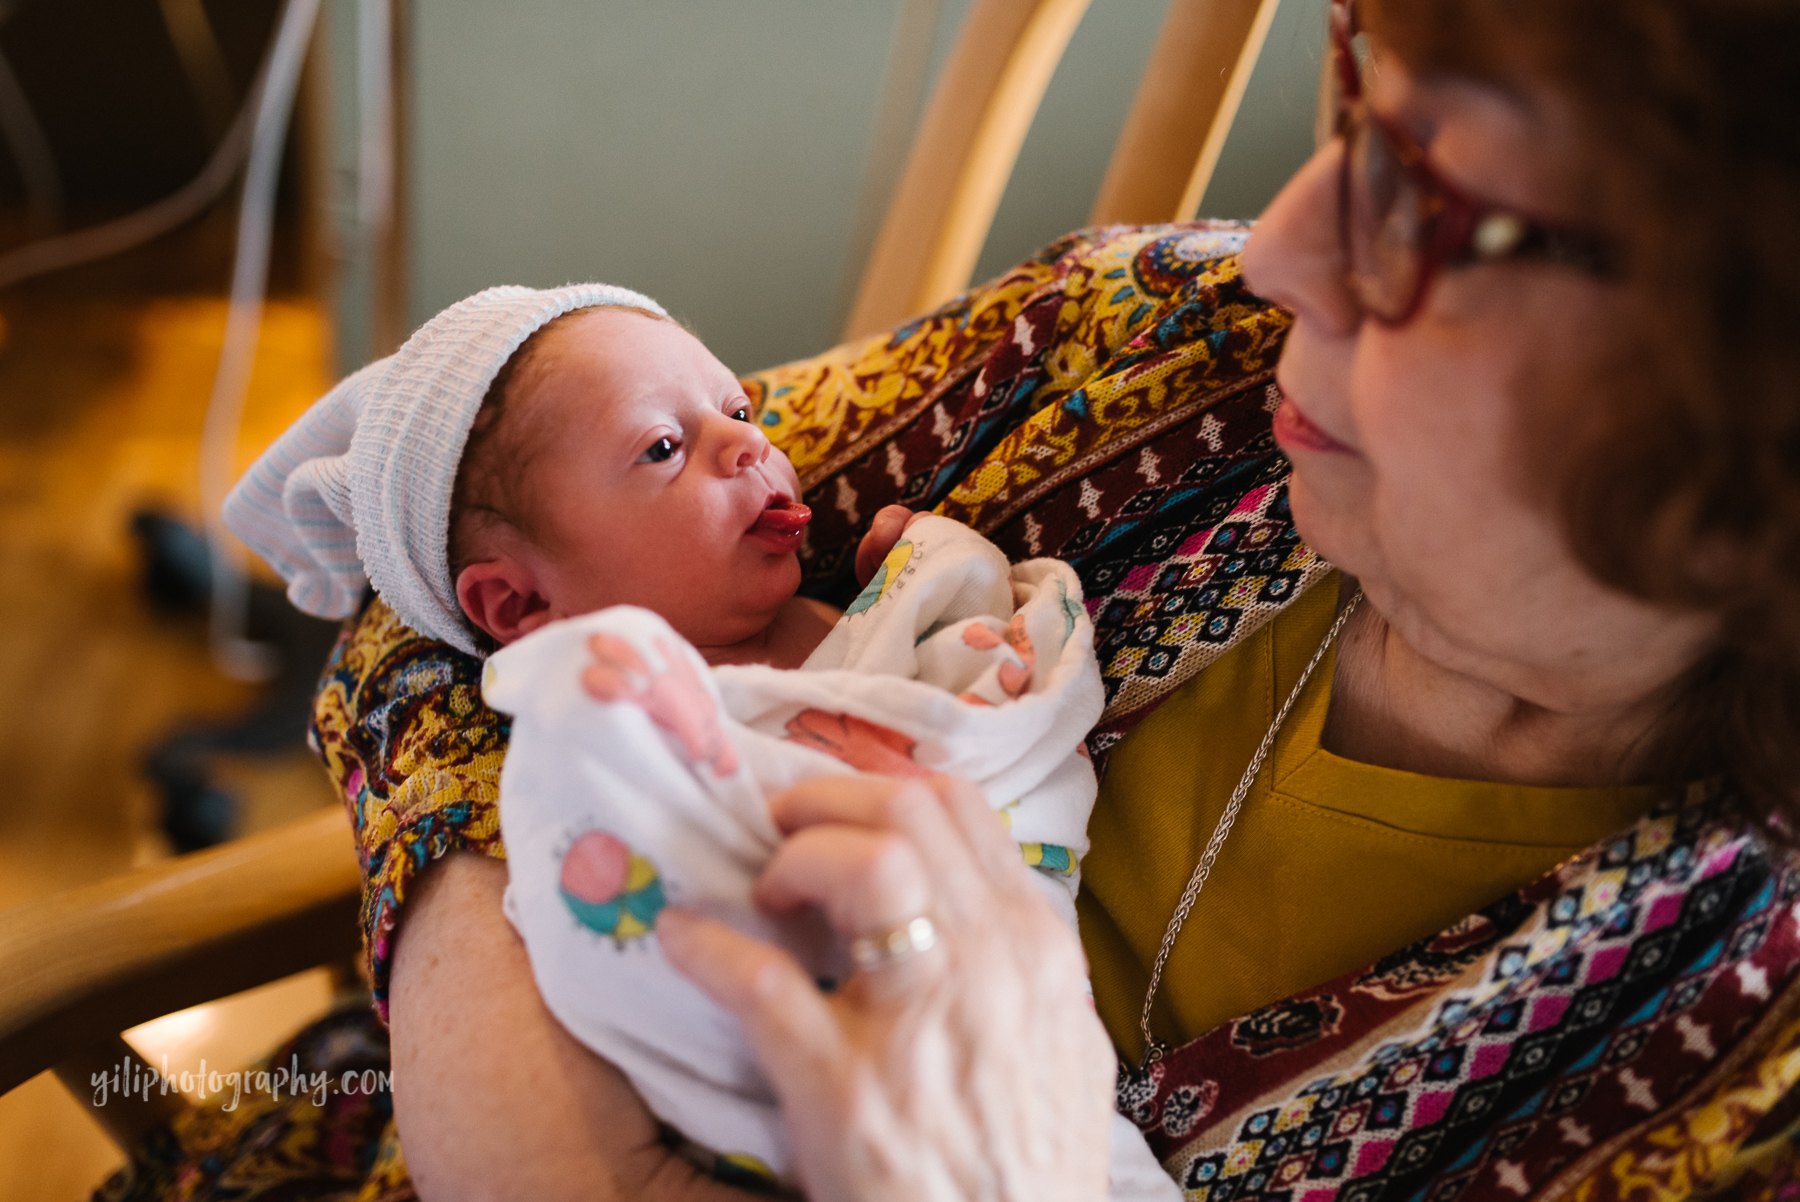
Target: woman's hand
[975,1069]
[492,1097]
[889,524]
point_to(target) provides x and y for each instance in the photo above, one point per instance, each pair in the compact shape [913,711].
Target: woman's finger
[983,830]
[884,531]
[857,800]
[785,1017]
[910,807]
[866,881]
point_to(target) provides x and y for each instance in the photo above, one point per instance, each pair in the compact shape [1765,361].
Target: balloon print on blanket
[1015,677]
[1051,859]
[897,563]
[862,744]
[609,888]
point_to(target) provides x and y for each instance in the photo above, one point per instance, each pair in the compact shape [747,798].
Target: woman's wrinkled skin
[912,1081]
[977,1070]
[1488,651]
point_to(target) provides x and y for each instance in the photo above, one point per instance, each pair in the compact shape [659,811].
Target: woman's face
[1412,463]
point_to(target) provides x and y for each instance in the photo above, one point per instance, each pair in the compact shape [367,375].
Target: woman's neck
[1393,707]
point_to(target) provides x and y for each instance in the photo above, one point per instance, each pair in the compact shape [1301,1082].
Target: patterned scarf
[1110,409]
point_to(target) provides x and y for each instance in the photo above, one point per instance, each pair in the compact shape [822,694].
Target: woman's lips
[780,523]
[1294,429]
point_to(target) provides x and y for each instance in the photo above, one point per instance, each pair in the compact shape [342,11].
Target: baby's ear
[501,596]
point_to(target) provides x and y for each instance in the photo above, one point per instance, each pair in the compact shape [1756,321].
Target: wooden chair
[79,967]
[981,110]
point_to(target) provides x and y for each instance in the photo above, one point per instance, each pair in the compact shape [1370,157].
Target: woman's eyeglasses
[1401,222]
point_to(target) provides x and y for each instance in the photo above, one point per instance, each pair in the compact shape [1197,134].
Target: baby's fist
[883,533]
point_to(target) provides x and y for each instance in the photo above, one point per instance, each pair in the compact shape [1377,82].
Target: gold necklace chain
[1154,1048]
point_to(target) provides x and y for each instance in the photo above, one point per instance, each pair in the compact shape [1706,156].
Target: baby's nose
[741,446]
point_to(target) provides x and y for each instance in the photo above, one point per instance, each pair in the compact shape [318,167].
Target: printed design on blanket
[1014,677]
[1072,610]
[605,813]
[899,561]
[1051,859]
[676,699]
[744,1170]
[864,745]
[610,889]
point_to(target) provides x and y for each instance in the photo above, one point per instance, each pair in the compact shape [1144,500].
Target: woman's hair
[1682,485]
[495,458]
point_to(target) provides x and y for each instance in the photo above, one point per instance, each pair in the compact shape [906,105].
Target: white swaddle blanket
[636,776]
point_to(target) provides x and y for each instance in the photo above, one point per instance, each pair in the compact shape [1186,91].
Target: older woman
[1544,420]
[1449,750]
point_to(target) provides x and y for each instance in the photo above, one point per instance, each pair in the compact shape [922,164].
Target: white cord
[259,130]
[83,246]
[234,654]
[202,61]
[30,149]
[375,96]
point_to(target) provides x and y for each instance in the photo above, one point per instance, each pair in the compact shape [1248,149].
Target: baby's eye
[660,451]
[741,413]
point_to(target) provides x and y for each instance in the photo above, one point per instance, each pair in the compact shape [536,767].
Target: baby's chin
[742,613]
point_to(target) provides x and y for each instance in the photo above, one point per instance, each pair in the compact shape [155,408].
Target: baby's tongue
[787,520]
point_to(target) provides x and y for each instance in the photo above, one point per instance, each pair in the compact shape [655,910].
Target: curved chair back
[982,107]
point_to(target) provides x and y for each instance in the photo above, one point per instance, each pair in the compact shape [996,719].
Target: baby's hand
[883,533]
[675,698]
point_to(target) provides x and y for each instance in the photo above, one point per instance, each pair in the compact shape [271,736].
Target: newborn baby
[571,478]
[614,461]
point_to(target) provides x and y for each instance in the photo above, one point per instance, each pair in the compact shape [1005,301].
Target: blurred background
[732,159]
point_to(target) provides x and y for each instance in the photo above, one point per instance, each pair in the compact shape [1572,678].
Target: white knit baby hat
[359,488]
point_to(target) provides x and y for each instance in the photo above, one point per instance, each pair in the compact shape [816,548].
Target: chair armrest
[76,968]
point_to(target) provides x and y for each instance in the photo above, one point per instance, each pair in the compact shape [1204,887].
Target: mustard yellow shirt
[1331,864]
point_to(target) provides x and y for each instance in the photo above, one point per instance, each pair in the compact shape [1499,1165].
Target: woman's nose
[1295,257]
[739,445]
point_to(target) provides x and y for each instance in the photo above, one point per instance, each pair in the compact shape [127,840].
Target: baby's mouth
[782,517]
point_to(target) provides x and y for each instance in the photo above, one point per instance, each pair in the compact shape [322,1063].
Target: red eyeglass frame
[1457,228]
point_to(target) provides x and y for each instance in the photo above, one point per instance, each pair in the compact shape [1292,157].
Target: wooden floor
[104,378]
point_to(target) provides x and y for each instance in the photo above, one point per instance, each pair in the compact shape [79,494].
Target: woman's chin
[1321,526]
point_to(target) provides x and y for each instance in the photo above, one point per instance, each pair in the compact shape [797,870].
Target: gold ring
[870,952]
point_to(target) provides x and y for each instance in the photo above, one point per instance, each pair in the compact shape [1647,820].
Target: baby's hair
[485,493]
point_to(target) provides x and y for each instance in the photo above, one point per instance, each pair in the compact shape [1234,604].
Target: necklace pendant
[1136,1088]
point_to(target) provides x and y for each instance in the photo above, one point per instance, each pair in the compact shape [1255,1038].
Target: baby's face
[649,483]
